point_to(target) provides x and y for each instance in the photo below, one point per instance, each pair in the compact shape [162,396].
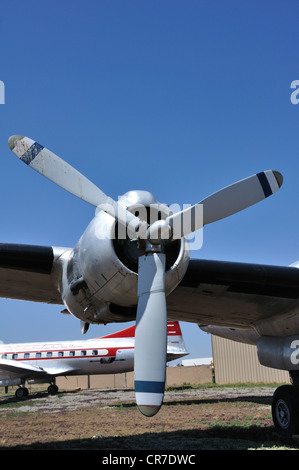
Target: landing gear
[52,389]
[285,410]
[21,392]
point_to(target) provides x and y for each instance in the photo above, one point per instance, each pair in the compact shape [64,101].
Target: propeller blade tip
[149,396]
[148,410]
[278,177]
[12,141]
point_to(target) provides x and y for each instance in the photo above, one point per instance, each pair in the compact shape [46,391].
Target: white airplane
[43,362]
[132,262]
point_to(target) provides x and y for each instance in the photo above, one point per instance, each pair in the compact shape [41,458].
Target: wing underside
[13,369]
[10,369]
[29,272]
[238,295]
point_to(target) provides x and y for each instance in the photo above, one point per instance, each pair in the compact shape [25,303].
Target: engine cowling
[100,279]
[279,352]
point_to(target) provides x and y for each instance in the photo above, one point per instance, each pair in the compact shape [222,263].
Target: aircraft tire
[52,389]
[285,410]
[21,392]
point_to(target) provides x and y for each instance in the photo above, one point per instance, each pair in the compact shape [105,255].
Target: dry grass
[190,419]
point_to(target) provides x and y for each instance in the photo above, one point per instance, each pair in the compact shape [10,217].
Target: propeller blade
[150,334]
[225,202]
[64,175]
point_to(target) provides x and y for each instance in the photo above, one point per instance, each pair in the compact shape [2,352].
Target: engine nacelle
[100,279]
[279,352]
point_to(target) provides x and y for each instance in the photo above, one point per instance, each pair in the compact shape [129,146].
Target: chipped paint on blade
[20,145]
[31,153]
[12,141]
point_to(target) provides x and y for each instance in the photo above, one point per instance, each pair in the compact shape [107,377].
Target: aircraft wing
[236,295]
[30,272]
[10,369]
[231,294]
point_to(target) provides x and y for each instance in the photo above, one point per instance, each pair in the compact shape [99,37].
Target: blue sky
[180,98]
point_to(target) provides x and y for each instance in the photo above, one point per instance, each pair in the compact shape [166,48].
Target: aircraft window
[83,353]
[15,356]
[26,356]
[38,354]
[95,352]
[49,354]
[72,353]
[60,354]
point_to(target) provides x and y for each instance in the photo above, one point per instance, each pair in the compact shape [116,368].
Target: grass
[225,421]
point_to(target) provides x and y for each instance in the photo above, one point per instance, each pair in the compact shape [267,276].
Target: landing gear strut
[285,408]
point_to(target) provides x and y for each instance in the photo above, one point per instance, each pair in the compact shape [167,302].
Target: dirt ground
[205,418]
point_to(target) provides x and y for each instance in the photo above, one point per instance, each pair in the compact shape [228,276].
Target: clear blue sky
[177,97]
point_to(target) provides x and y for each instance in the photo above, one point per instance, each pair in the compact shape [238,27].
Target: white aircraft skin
[133,263]
[42,362]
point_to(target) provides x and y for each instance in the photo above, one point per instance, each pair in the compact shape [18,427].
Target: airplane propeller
[151,320]
[64,175]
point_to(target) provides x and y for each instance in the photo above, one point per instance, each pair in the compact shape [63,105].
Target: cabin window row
[38,354]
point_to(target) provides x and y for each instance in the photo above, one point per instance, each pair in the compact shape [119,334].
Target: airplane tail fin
[126,333]
[175,343]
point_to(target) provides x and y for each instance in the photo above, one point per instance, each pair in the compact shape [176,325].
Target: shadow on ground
[214,438]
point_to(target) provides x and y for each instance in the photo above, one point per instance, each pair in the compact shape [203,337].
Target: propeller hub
[158,231]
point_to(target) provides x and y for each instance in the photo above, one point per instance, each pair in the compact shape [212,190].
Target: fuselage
[109,354]
[96,356]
